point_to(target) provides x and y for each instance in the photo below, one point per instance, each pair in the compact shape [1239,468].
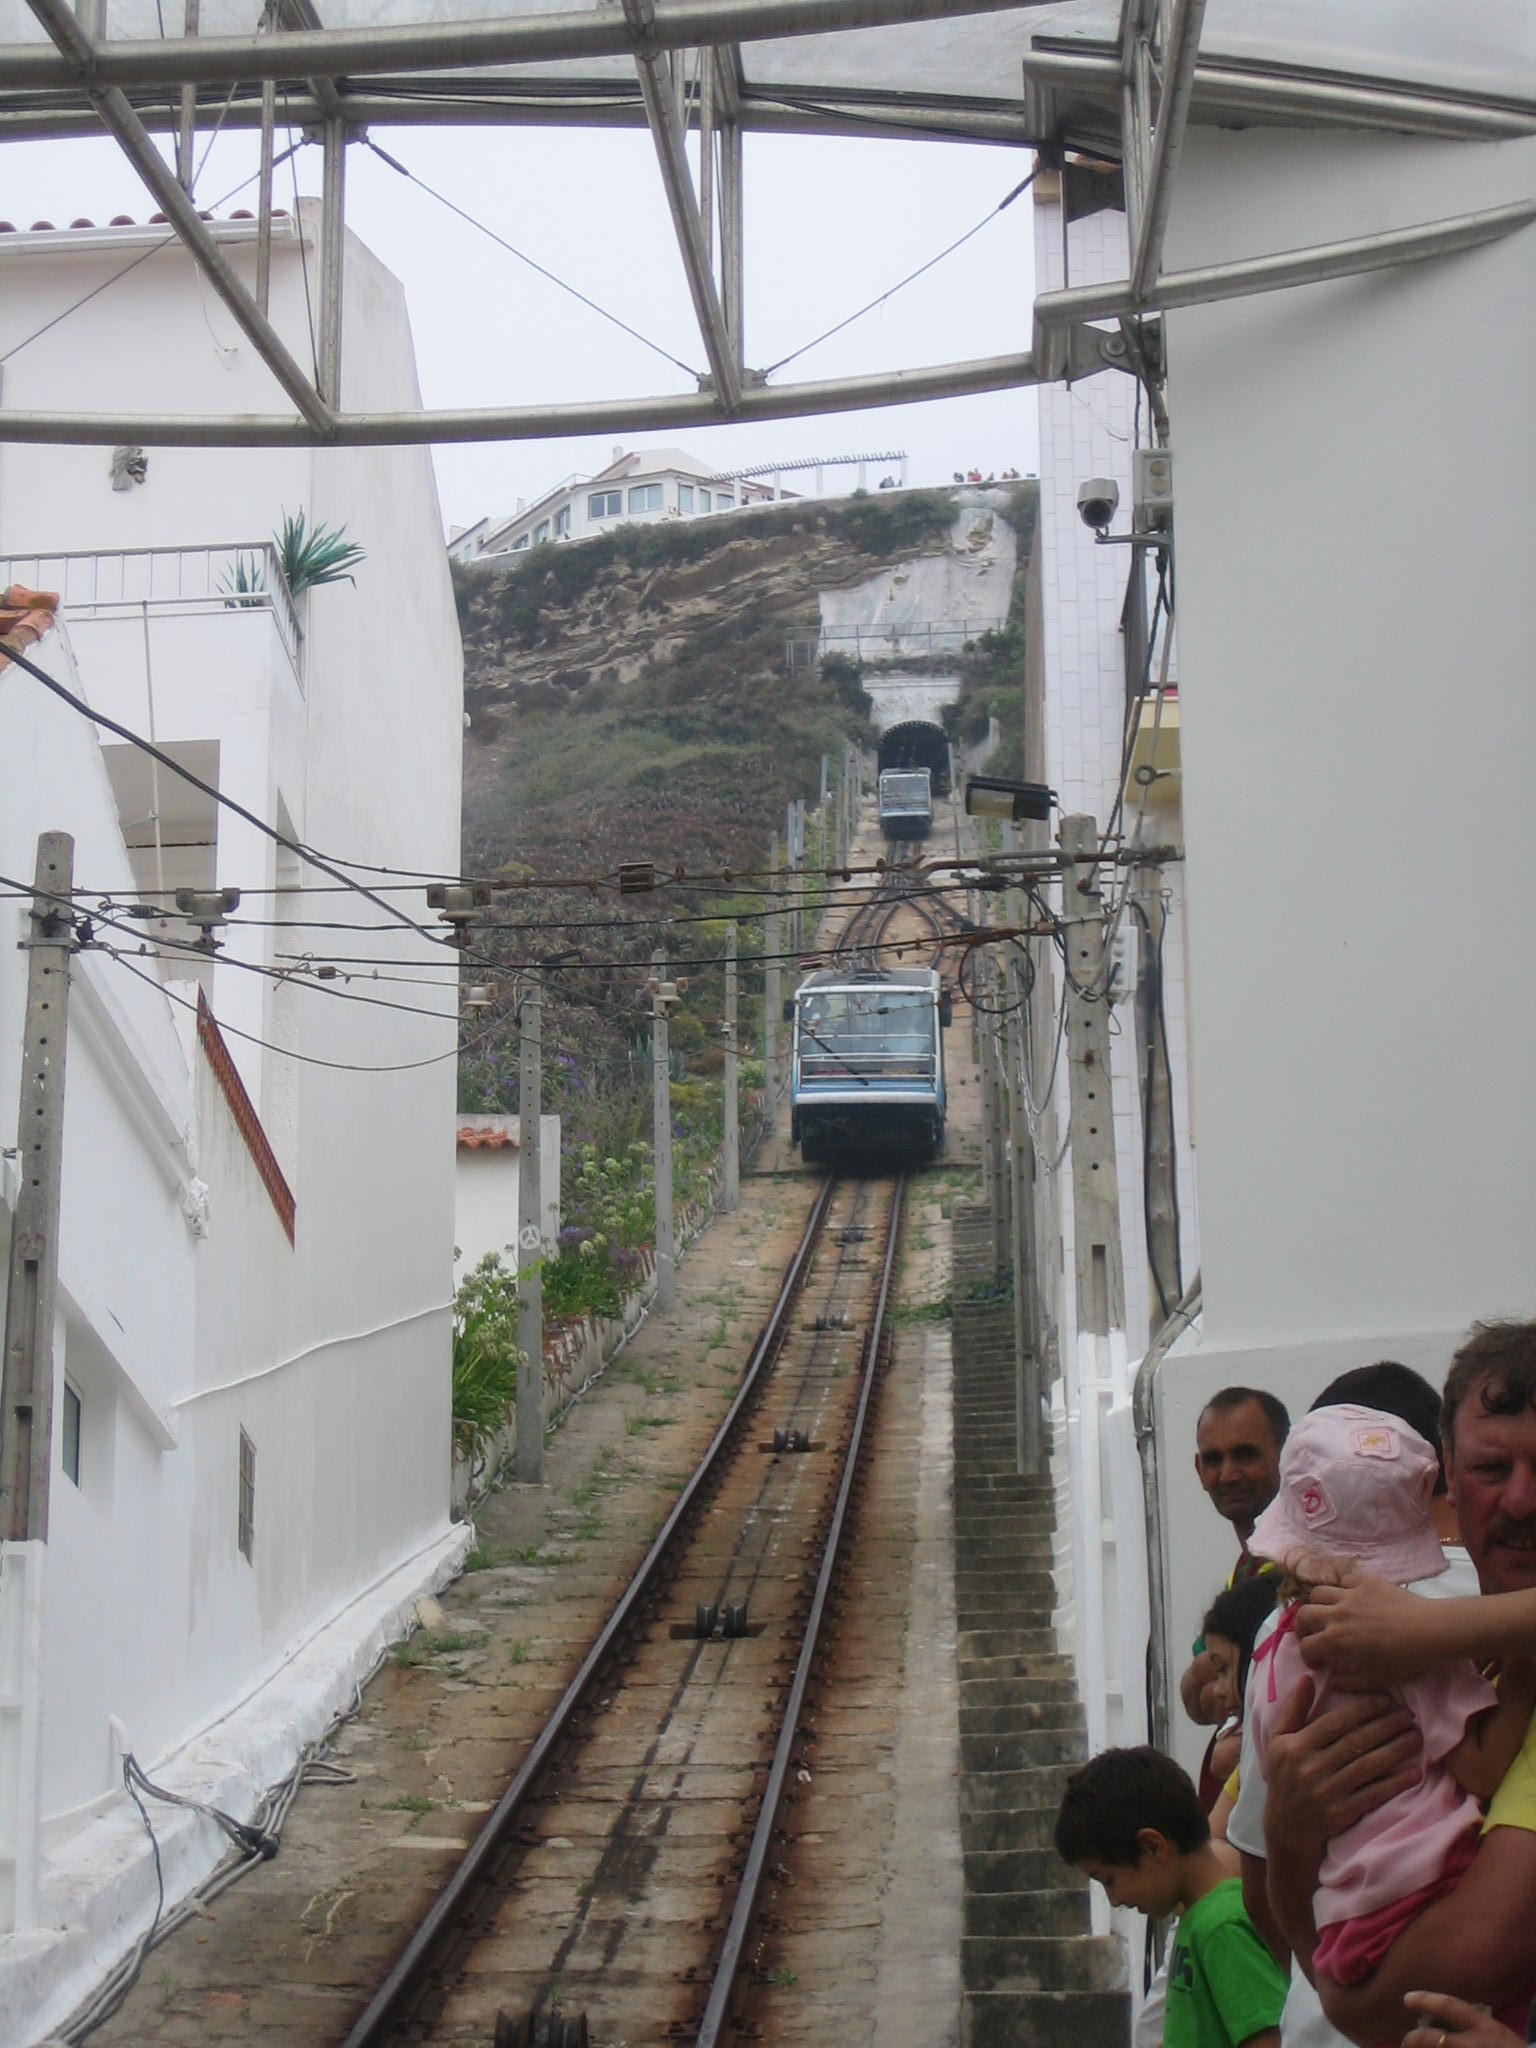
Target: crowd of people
[1357,1862]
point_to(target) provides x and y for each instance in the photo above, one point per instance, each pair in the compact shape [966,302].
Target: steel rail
[767,1817]
[381,2011]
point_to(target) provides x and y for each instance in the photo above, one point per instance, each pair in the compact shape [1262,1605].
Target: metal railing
[919,639]
[117,582]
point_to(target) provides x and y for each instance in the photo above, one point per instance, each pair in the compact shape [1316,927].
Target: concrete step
[1026,1751]
[1004,1642]
[1015,1791]
[1018,1870]
[1017,1714]
[1008,1829]
[1054,1910]
[1042,1962]
[1045,2019]
[1004,1683]
[1046,1673]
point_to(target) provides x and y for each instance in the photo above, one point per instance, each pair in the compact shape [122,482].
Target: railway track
[904,887]
[610,1894]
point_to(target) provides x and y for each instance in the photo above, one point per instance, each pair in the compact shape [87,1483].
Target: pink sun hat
[1355,1483]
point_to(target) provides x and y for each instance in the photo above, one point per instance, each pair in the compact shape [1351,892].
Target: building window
[685,497]
[541,533]
[520,543]
[71,1434]
[605,504]
[563,523]
[704,501]
[645,498]
[247,1529]
[723,501]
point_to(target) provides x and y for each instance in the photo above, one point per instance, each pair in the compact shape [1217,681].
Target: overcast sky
[830,224]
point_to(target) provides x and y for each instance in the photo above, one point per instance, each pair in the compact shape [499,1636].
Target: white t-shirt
[1303,2024]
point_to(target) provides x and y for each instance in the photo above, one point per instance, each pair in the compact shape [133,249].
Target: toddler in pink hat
[1355,1487]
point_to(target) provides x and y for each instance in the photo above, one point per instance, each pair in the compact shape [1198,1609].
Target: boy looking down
[1131,1820]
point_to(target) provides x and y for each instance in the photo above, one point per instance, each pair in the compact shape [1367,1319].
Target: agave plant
[323,555]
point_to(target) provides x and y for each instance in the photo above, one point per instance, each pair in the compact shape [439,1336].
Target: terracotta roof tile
[25,616]
[473,1139]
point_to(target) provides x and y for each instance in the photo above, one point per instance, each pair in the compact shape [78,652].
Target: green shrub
[486,1358]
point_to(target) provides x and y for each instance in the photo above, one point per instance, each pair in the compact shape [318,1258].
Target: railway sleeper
[542,2027]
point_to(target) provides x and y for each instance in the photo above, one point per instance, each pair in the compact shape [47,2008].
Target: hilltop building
[653,484]
[250,1464]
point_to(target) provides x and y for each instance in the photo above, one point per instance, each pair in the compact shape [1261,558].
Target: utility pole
[1021,1165]
[662,993]
[1100,1270]
[771,983]
[26,1398]
[731,1195]
[530,1242]
[26,1378]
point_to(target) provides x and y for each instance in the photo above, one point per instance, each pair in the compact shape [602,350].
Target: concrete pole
[821,801]
[1025,1357]
[731,1196]
[1097,1253]
[27,1371]
[530,1243]
[771,982]
[666,1245]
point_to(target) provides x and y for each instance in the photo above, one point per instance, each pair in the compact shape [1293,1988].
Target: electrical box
[1123,961]
[1151,489]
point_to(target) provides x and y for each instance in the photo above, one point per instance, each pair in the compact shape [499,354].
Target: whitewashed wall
[331,1352]
[1358,614]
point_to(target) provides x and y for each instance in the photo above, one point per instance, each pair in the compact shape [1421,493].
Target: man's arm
[1256,1905]
[1452,2021]
[1270,2038]
[1324,1775]
[1478,1944]
[1369,1633]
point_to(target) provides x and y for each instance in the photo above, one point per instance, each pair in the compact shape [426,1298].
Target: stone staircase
[1032,1974]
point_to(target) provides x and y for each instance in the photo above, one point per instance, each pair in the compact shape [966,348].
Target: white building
[643,486]
[251,1459]
[486,1184]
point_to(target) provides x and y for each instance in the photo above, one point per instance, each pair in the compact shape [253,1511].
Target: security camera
[1097,502]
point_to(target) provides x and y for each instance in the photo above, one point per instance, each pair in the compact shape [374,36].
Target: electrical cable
[522,257]
[293,846]
[922,269]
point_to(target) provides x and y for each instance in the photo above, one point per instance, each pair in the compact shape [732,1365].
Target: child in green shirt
[1131,1820]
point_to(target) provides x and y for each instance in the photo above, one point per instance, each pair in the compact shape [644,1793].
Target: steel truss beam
[1059,316]
[1180,52]
[534,423]
[656,86]
[1227,92]
[183,216]
[471,45]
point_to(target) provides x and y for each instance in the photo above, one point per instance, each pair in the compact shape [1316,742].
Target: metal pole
[186,140]
[731,1196]
[264,194]
[707,153]
[26,1377]
[530,1243]
[666,1243]
[333,234]
[1097,1254]
[771,981]
[732,236]
[1021,1164]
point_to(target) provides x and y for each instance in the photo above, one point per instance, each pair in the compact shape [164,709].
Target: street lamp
[989,796]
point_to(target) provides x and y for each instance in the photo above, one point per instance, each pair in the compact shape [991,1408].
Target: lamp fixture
[990,796]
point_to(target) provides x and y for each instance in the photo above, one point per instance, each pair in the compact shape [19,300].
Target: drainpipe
[1158,1676]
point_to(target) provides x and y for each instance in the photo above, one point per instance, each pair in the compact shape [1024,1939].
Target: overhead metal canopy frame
[1113,80]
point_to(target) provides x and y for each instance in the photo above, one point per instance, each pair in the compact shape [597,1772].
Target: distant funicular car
[906,803]
[867,1063]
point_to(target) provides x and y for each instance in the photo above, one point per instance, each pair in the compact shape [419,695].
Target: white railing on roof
[108,582]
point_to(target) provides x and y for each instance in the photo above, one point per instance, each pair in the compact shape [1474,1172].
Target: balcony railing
[115,582]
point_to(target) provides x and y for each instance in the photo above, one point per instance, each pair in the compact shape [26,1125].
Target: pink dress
[1406,1848]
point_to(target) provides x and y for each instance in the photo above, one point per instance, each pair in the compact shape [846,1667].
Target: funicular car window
[877,1032]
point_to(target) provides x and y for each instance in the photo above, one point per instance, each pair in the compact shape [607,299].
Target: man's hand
[1451,2023]
[1200,1691]
[1368,1633]
[1324,1775]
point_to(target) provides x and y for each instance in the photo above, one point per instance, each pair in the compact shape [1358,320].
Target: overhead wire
[533,264]
[911,278]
